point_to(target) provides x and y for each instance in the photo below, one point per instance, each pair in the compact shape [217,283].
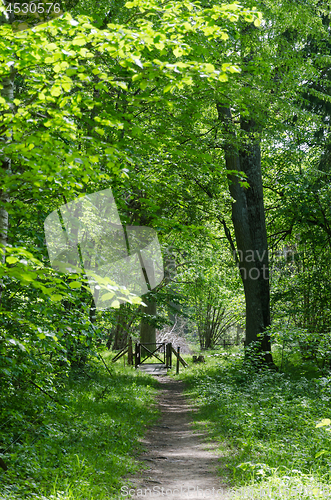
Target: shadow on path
[179,466]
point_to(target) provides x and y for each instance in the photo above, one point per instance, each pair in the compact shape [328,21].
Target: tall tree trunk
[4,222]
[7,92]
[147,328]
[170,273]
[147,325]
[250,229]
[121,329]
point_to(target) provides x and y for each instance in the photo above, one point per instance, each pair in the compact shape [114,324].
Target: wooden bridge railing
[137,358]
[126,350]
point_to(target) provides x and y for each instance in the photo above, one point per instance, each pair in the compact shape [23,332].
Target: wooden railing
[162,352]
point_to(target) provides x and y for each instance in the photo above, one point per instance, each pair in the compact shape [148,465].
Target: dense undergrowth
[265,424]
[82,446]
[79,449]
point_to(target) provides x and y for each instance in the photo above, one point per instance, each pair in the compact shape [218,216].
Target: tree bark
[248,219]
[147,328]
[147,325]
[7,92]
[170,273]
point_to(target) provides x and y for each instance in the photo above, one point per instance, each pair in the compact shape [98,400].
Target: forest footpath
[179,463]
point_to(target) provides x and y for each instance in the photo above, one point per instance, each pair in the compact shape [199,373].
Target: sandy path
[179,465]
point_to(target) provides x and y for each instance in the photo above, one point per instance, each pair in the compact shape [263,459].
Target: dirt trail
[180,467]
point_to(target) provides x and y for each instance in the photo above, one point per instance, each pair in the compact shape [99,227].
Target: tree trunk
[147,325]
[170,273]
[147,328]
[4,221]
[121,329]
[7,92]
[250,230]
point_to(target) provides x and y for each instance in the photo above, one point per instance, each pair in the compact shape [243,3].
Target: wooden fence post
[136,356]
[168,355]
[130,354]
[178,354]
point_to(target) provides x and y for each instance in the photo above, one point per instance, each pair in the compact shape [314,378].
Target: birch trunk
[7,92]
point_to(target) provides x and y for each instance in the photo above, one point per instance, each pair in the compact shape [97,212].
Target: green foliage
[79,122]
[83,446]
[210,313]
[265,424]
[292,342]
[124,95]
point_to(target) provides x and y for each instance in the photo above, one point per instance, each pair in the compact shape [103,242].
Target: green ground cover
[265,424]
[83,449]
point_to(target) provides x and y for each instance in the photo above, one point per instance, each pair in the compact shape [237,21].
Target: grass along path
[80,451]
[265,426]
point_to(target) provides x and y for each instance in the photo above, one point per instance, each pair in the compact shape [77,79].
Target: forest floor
[180,464]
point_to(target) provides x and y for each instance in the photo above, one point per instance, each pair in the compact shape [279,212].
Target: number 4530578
[32,8]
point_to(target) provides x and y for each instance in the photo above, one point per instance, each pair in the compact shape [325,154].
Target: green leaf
[325,421]
[107,296]
[79,40]
[122,85]
[188,26]
[11,260]
[135,300]
[28,276]
[56,91]
[66,86]
[51,46]
[99,131]
[178,52]
[320,453]
[75,284]
[210,67]
[56,297]
[167,88]
[223,78]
